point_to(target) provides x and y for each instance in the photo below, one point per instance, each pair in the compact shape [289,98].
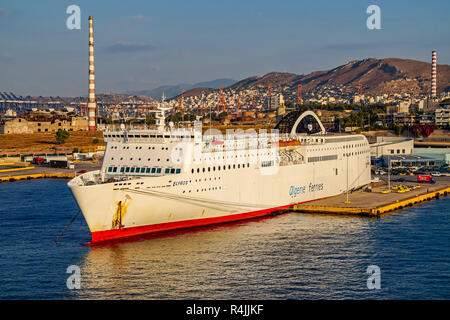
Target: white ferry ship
[168,178]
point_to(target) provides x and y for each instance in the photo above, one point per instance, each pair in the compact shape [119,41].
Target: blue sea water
[290,256]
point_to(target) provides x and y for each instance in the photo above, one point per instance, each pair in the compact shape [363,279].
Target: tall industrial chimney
[92,105]
[433,74]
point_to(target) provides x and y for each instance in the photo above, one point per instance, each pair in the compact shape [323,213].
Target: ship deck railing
[153,136]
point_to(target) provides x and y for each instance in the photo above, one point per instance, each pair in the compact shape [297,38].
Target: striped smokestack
[433,74]
[91,102]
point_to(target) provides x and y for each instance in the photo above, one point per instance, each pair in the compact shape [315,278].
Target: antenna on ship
[160,116]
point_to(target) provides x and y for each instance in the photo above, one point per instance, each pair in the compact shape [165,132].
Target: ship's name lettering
[295,191]
[180,183]
[315,187]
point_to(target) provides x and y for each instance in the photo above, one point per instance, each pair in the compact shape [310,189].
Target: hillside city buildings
[251,104]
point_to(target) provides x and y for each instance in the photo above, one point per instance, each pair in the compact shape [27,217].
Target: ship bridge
[298,122]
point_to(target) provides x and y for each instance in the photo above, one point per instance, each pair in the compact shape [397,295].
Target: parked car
[38,160]
[436,174]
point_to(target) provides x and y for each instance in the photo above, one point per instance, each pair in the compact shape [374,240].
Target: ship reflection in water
[288,256]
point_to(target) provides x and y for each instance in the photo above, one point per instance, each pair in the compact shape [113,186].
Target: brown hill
[377,76]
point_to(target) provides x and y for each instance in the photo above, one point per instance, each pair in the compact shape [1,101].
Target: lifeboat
[286,143]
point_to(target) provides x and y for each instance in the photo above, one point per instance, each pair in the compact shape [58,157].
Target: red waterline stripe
[102,236]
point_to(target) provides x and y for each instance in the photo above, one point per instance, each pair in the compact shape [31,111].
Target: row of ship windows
[344,139]
[334,157]
[113,169]
[145,136]
[131,159]
[213,168]
[126,184]
[241,154]
[322,158]
[354,145]
[202,190]
[319,149]
[216,158]
[355,153]
[267,163]
[341,147]
[140,148]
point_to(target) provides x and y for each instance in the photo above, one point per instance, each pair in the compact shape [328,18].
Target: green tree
[150,118]
[223,115]
[288,104]
[61,136]
[398,128]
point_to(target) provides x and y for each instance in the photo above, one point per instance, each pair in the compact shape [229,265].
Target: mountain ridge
[174,90]
[377,76]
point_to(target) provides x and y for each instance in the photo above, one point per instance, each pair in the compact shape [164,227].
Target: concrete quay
[376,203]
[15,172]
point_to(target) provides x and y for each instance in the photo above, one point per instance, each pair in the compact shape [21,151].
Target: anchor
[117,220]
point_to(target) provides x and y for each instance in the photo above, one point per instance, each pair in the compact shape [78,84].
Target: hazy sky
[144,44]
